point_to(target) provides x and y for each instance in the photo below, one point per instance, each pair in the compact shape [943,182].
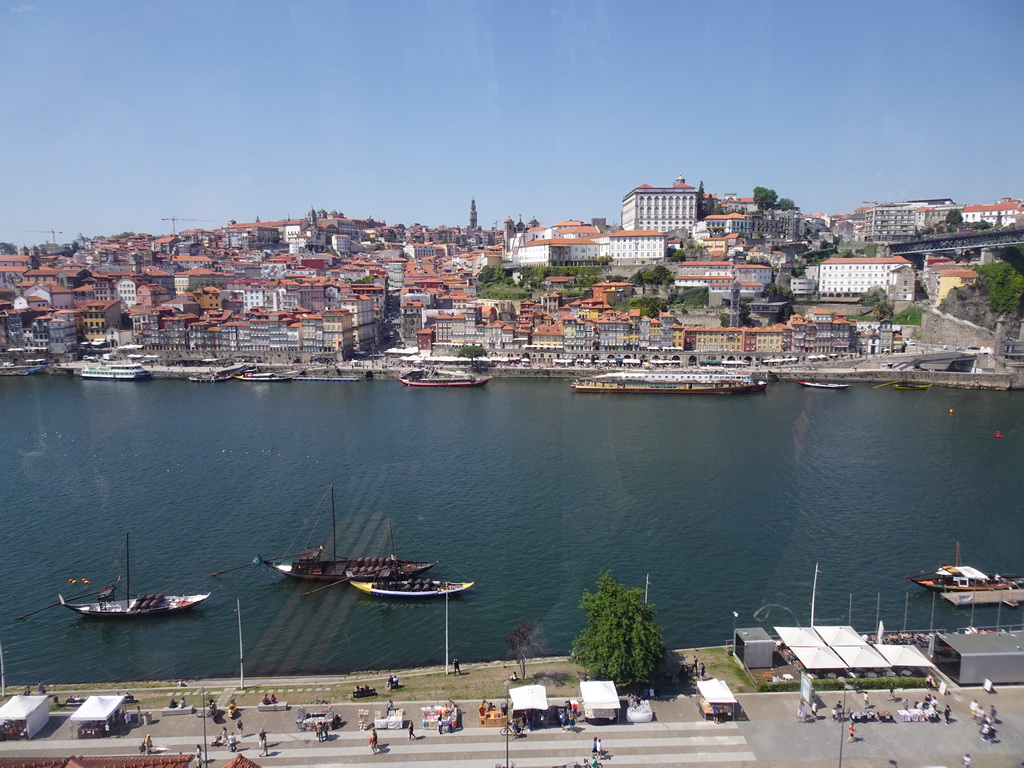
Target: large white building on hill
[664,209]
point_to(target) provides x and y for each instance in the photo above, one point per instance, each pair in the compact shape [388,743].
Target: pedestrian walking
[148,743]
[599,749]
[593,746]
[455,667]
[440,724]
[391,706]
[233,743]
[200,758]
[992,714]
[814,711]
[263,743]
[373,741]
[239,726]
[412,732]
[852,732]
[867,703]
[966,760]
[834,713]
[801,713]
[892,692]
[974,710]
[946,713]
[984,731]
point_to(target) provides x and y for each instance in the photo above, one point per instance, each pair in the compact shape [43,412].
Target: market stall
[393,721]
[24,716]
[715,700]
[446,716]
[491,716]
[531,701]
[99,716]
[600,700]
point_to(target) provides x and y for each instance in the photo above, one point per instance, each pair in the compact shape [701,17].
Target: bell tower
[472,213]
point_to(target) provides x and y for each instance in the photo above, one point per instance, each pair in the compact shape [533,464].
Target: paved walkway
[768,736]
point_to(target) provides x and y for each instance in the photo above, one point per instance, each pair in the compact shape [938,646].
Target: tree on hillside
[765,198]
[955,217]
[1003,284]
[661,275]
[8,249]
[622,641]
[649,306]
[883,310]
[472,351]
[701,203]
[523,642]
[785,204]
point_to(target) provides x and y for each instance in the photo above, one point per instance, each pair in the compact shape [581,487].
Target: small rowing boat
[822,385]
[432,377]
[411,587]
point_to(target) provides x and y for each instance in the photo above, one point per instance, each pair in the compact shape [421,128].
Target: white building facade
[664,209]
[855,276]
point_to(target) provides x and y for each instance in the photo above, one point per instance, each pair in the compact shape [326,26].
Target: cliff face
[971,303]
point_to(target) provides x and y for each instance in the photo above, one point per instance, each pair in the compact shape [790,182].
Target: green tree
[785,204]
[883,310]
[873,295]
[661,275]
[701,202]
[622,641]
[1003,284]
[641,279]
[765,198]
[8,249]
[472,351]
[649,306]
[955,217]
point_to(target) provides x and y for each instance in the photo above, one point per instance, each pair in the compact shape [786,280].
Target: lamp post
[446,632]
[845,689]
[202,706]
[508,725]
[241,656]
[3,675]
[732,642]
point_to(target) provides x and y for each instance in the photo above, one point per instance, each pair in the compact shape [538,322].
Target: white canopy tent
[903,656]
[797,637]
[821,657]
[97,708]
[34,711]
[600,699]
[529,697]
[861,657]
[839,635]
[715,691]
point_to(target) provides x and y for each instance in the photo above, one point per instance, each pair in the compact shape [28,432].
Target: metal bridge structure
[962,241]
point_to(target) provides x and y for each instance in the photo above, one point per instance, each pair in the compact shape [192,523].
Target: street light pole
[732,642]
[3,676]
[508,725]
[241,656]
[203,713]
[843,681]
[446,632]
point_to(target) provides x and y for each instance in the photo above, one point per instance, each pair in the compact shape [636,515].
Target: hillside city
[689,276]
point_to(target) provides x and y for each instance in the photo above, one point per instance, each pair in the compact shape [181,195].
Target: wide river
[725,503]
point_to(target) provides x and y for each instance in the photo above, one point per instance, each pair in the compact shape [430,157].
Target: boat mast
[334,530]
[391,534]
[127,568]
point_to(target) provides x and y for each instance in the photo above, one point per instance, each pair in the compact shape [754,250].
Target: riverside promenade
[767,734]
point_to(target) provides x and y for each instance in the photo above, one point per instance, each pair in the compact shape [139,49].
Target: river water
[725,503]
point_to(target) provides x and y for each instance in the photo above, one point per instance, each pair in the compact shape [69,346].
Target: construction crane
[175,219]
[51,232]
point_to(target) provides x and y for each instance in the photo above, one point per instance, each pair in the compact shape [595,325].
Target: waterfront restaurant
[99,716]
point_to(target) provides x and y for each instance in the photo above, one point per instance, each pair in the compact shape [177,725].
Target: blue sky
[118,113]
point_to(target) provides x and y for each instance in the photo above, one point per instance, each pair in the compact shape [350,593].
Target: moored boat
[108,606]
[384,587]
[317,564]
[210,378]
[115,371]
[264,376]
[431,377]
[964,578]
[678,382]
[823,385]
[907,385]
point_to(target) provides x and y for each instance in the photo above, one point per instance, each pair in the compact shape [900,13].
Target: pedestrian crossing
[646,744]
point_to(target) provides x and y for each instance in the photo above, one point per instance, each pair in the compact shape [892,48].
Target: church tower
[472,213]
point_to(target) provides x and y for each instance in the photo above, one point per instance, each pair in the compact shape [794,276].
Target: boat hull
[458,383]
[404,589]
[817,385]
[694,389]
[136,607]
[344,570]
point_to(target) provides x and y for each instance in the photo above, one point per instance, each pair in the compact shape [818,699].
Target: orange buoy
[998,434]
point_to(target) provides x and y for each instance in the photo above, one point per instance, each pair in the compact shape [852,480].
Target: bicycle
[321,702]
[507,730]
